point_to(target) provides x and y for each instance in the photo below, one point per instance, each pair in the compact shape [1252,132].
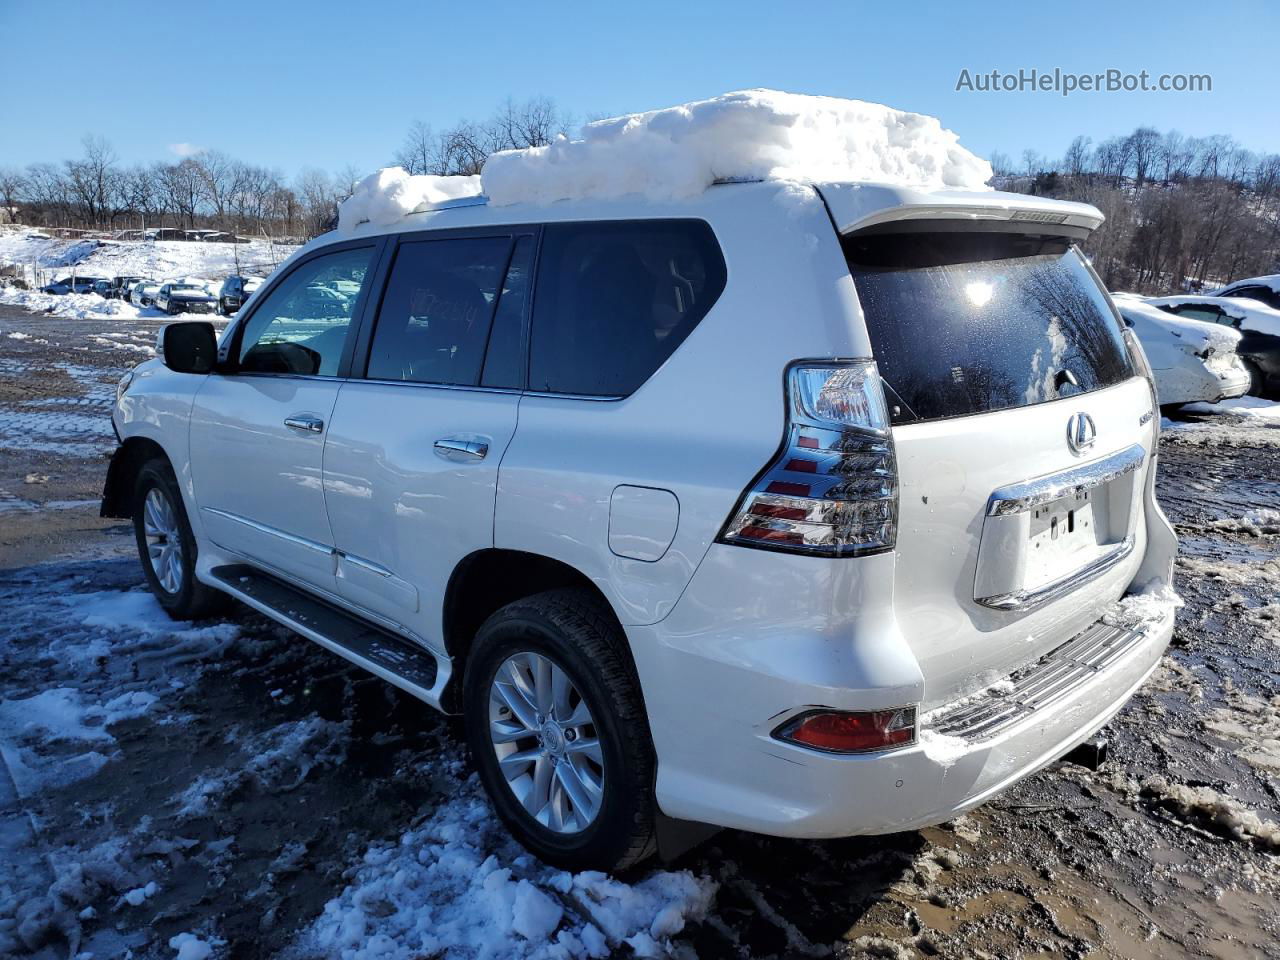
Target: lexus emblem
[1081,433]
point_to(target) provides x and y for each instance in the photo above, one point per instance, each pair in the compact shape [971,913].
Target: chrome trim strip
[1021,600]
[363,564]
[263,528]
[1020,497]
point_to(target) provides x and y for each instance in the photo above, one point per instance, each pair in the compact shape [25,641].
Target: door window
[301,326]
[434,321]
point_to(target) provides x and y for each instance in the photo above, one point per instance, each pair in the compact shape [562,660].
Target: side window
[302,324]
[504,360]
[615,300]
[1208,314]
[433,324]
[1262,294]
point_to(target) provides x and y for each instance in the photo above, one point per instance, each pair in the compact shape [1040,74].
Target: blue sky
[324,83]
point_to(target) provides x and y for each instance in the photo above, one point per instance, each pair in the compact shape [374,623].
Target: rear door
[1022,434]
[411,460]
[258,430]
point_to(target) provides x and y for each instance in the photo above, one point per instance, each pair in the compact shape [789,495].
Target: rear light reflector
[832,489]
[844,732]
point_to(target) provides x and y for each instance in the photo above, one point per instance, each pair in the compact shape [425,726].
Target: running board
[413,668]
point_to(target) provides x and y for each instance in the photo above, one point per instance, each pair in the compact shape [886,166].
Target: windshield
[966,323]
[182,287]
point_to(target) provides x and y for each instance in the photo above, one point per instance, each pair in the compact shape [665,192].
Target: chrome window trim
[1023,600]
[1020,497]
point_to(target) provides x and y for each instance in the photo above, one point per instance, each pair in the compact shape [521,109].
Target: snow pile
[751,134]
[1215,809]
[1154,604]
[680,151]
[443,891]
[384,197]
[75,306]
[1257,522]
[190,947]
[1247,406]
[942,749]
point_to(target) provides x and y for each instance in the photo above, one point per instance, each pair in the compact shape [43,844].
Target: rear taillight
[847,732]
[833,489]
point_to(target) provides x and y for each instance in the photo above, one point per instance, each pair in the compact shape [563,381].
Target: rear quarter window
[969,323]
[614,300]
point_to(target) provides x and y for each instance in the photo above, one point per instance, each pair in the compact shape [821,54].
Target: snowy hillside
[161,259]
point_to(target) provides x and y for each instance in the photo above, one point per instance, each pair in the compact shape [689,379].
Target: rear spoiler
[858,207]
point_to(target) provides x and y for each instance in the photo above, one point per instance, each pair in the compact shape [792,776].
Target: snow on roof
[1272,281]
[753,135]
[1252,314]
[680,151]
[384,197]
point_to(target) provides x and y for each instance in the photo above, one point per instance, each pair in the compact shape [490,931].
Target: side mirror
[189,347]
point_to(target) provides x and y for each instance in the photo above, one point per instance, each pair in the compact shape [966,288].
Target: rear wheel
[1257,379]
[167,547]
[558,732]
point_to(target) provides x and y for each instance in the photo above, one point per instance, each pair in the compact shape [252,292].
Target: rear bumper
[715,766]
[1233,384]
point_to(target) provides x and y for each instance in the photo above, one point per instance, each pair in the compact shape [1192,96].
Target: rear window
[967,323]
[614,300]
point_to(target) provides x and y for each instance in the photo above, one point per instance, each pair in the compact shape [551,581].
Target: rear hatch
[1022,431]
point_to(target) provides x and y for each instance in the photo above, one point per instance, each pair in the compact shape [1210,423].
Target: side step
[411,667]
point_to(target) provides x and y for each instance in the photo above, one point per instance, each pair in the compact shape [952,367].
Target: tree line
[212,190]
[1182,212]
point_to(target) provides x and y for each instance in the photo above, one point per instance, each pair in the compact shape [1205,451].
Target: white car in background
[1192,360]
[1259,327]
[1266,290]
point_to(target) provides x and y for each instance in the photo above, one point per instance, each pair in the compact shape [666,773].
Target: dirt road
[231,782]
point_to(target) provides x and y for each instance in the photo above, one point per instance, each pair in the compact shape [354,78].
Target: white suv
[805,510]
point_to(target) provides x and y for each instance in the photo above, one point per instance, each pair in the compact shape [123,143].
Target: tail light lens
[841,732]
[833,488]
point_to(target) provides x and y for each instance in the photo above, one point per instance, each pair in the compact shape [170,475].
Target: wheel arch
[487,580]
[122,475]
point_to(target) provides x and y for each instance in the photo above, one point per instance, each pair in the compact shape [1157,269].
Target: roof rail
[478,200]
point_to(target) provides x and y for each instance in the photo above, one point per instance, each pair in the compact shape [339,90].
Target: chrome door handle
[309,424]
[453,448]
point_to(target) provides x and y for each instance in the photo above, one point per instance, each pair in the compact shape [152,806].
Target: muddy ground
[251,777]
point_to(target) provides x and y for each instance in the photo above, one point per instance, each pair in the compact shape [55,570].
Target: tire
[160,521]
[1257,379]
[571,631]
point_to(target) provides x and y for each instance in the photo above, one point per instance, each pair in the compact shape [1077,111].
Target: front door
[258,430]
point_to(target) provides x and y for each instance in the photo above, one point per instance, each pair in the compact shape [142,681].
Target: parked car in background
[1266,290]
[144,294]
[71,285]
[102,288]
[120,287]
[1259,327]
[1192,360]
[186,296]
[235,291]
[605,479]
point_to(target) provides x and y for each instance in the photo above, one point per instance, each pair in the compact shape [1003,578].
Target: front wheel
[167,547]
[558,732]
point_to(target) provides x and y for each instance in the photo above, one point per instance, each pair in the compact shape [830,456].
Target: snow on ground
[1245,406]
[159,259]
[455,885]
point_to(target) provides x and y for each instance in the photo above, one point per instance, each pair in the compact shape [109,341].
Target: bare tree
[12,183]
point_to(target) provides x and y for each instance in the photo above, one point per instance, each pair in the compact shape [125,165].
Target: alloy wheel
[546,742]
[164,540]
